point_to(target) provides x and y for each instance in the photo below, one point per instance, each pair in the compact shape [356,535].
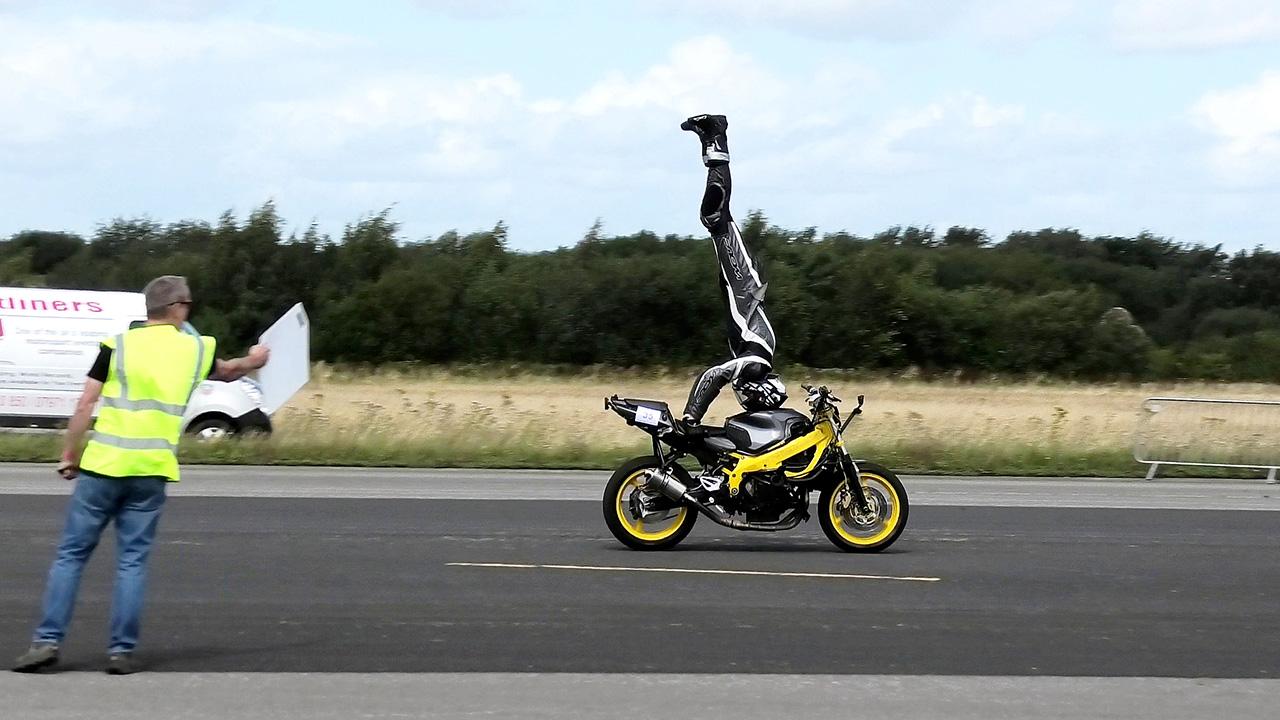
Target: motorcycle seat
[755,432]
[717,438]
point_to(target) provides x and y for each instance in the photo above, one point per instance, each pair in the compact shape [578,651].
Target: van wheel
[211,428]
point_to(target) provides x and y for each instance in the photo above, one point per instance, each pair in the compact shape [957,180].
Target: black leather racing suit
[751,338]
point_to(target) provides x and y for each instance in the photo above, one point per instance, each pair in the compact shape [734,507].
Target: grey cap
[165,291]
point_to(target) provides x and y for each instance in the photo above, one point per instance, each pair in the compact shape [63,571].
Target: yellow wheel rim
[660,528]
[889,516]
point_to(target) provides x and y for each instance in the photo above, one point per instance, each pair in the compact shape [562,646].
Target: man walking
[144,378]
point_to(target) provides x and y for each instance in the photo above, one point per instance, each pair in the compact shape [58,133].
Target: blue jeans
[134,503]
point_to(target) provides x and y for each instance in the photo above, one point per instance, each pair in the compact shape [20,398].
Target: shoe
[711,131]
[689,428]
[707,126]
[121,664]
[36,658]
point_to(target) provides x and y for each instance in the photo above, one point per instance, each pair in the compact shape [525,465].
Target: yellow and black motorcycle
[759,469]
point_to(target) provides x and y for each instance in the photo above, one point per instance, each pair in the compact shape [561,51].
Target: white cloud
[404,126]
[475,9]
[886,20]
[388,127]
[88,76]
[360,135]
[1019,21]
[1246,122]
[983,114]
[183,119]
[1193,24]
[708,74]
[698,74]
[581,154]
[881,19]
[134,9]
[939,134]
[175,9]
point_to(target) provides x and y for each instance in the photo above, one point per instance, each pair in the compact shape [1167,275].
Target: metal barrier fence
[1208,432]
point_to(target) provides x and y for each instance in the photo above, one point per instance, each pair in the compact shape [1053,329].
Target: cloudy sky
[1112,117]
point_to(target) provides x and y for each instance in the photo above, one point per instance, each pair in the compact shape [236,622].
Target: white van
[49,339]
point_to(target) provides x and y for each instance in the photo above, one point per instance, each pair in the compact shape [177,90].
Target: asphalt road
[1003,598]
[326,585]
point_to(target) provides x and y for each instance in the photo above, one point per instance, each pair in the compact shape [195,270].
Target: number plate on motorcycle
[648,416]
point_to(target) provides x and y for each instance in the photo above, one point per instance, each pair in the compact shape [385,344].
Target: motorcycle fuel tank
[754,432]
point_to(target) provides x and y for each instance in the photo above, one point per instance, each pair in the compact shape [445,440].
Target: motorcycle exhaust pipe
[676,491]
[669,487]
[721,517]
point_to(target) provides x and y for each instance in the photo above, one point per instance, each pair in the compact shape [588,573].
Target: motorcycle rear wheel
[661,532]
[838,516]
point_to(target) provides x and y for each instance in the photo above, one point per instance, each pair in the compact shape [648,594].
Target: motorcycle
[760,469]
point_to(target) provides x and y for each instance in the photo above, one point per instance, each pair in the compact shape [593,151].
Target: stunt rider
[751,338]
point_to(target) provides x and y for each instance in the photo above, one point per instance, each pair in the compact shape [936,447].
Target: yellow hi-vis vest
[154,370]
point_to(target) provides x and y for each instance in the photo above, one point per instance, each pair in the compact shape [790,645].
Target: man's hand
[258,356]
[77,427]
[229,370]
[69,467]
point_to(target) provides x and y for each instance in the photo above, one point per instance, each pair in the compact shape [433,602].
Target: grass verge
[530,417]
[901,456]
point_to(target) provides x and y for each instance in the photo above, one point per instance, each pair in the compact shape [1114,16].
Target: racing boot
[689,427]
[711,131]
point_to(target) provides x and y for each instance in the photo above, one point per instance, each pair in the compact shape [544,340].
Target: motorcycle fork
[854,483]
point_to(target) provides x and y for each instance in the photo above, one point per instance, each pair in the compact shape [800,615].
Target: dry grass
[941,426]
[504,417]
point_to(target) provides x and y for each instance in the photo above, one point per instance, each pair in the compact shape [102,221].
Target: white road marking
[693,571]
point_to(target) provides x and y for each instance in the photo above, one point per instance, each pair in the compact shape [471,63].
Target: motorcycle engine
[764,498]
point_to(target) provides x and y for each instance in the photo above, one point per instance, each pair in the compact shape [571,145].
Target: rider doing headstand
[751,338]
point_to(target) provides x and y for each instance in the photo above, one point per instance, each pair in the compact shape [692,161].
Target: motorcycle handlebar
[817,394]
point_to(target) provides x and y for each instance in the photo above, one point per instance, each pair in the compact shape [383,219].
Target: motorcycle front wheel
[626,496]
[852,531]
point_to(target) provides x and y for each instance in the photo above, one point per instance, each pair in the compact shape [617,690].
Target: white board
[289,368]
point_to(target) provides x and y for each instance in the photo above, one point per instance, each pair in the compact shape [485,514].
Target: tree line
[1044,302]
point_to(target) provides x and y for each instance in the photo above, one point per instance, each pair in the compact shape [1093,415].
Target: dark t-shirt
[102,365]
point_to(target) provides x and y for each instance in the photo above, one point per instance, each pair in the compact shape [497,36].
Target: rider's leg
[739,276]
[714,378]
[714,211]
[704,391]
